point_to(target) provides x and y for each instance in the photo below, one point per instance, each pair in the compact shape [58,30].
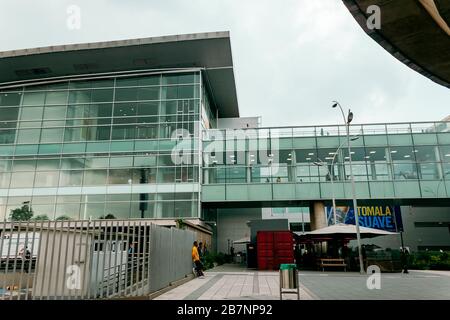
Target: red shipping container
[274,248]
[265,263]
[264,236]
[265,253]
[283,237]
[283,246]
[265,246]
[284,254]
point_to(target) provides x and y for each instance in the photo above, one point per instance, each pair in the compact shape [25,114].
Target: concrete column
[373,170]
[389,164]
[248,166]
[317,215]
[205,174]
[341,165]
[158,209]
[439,173]
[293,167]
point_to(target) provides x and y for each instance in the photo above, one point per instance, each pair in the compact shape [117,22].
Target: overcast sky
[291,57]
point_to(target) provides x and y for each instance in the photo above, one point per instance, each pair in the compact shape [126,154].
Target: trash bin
[289,280]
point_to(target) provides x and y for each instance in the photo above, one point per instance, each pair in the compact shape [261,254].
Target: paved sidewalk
[231,282]
[234,282]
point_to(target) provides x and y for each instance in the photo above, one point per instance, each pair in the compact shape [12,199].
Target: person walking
[200,250]
[196,260]
[25,256]
[201,253]
[404,259]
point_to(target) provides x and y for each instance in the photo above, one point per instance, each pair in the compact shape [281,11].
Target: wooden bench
[333,263]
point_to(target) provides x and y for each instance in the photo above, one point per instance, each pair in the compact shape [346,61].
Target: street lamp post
[347,122]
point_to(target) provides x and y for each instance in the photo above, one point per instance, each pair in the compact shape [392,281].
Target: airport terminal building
[150,129]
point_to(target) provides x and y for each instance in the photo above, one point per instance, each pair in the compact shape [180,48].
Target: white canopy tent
[242,241]
[344,231]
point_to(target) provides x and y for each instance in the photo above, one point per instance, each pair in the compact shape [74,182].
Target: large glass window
[32,113]
[72,163]
[77,111]
[144,175]
[148,108]
[166,175]
[9,114]
[95,177]
[29,136]
[55,112]
[102,95]
[148,160]
[63,134]
[236,175]
[45,164]
[100,110]
[22,179]
[71,210]
[56,97]
[52,135]
[34,98]
[10,98]
[71,178]
[120,176]
[80,96]
[150,93]
[445,153]
[404,170]
[4,179]
[126,94]
[7,136]
[46,179]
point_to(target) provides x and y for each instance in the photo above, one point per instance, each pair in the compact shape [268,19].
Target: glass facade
[146,145]
[88,148]
[388,161]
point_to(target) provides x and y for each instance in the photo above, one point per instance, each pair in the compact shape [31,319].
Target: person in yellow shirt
[196,260]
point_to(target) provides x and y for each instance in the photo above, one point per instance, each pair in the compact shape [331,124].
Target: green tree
[42,217]
[108,216]
[63,218]
[180,224]
[23,213]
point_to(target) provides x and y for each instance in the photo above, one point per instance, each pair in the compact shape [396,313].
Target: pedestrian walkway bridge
[395,161]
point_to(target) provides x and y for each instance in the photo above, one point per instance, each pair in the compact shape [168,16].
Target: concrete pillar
[205,174]
[248,166]
[317,215]
[158,209]
[387,155]
[341,165]
[439,173]
[373,170]
[292,169]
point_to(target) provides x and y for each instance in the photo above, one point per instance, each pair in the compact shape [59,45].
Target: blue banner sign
[386,218]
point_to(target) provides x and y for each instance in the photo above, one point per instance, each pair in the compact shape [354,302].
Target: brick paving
[234,282]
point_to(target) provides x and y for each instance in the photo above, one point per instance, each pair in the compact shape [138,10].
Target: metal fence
[101,259]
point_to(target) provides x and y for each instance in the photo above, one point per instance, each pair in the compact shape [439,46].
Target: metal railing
[333,130]
[101,259]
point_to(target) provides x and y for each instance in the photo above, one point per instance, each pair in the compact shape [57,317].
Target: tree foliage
[42,217]
[24,213]
[108,216]
[63,218]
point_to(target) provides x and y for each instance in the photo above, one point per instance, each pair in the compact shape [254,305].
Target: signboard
[381,217]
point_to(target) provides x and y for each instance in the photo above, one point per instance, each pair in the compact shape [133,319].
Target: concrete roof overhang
[410,34]
[210,52]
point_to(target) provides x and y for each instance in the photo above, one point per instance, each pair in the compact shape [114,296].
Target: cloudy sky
[291,57]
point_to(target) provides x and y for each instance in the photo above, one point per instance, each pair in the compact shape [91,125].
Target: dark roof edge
[115,44]
[361,18]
